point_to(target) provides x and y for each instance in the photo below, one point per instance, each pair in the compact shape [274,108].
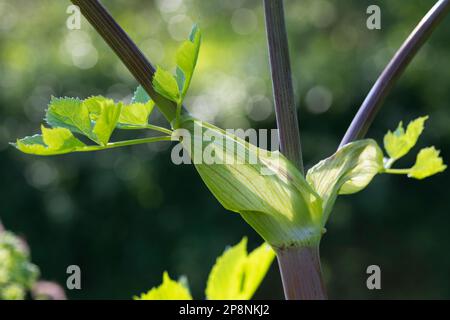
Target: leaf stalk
[285,110]
[373,102]
[133,59]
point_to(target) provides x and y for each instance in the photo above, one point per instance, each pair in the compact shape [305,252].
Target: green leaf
[136,114]
[256,267]
[399,142]
[166,85]
[168,290]
[348,171]
[95,117]
[236,274]
[70,113]
[187,56]
[264,187]
[428,163]
[51,142]
[106,116]
[140,96]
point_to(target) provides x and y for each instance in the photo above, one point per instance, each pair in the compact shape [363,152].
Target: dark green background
[125,216]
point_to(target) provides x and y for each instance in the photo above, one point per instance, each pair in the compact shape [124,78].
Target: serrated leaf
[168,290]
[136,114]
[70,113]
[400,142]
[166,85]
[106,120]
[187,56]
[428,163]
[348,171]
[264,187]
[95,117]
[51,142]
[140,96]
[236,275]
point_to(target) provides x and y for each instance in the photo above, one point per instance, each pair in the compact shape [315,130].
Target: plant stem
[397,171]
[125,143]
[126,50]
[371,105]
[301,273]
[147,126]
[283,92]
[299,266]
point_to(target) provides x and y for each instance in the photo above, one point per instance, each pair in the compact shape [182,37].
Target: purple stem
[285,110]
[372,104]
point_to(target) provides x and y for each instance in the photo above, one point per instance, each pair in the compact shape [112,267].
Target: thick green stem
[301,273]
[126,50]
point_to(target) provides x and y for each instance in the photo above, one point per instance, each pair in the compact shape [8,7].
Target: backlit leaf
[166,85]
[257,264]
[428,163]
[107,114]
[400,142]
[348,171]
[236,274]
[186,57]
[136,114]
[51,142]
[70,113]
[168,290]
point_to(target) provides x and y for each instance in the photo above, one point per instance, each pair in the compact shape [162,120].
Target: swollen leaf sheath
[264,187]
[348,171]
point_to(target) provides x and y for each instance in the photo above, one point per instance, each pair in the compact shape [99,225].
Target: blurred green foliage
[17,273]
[126,215]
